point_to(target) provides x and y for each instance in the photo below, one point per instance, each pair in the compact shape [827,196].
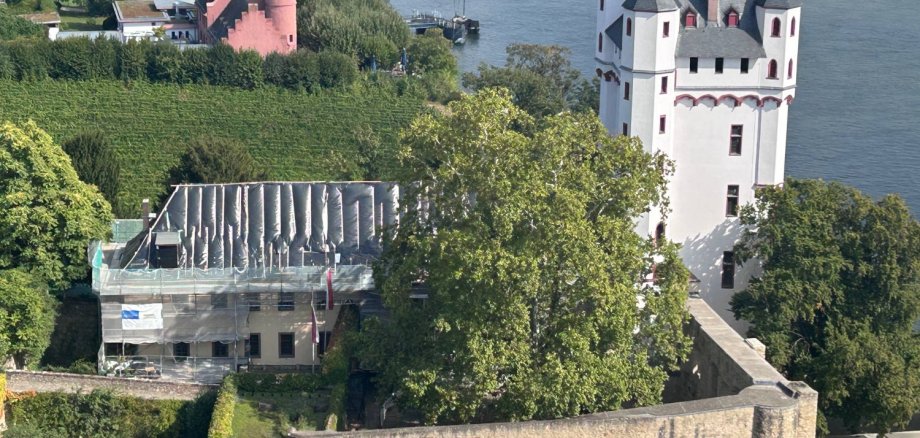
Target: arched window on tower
[772,70]
[792,28]
[659,233]
[732,18]
[629,27]
[602,5]
[777,27]
[690,19]
[600,42]
[789,74]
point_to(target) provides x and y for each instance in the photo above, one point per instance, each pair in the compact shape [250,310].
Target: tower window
[659,232]
[789,73]
[690,20]
[777,28]
[666,30]
[728,270]
[745,65]
[694,65]
[731,202]
[626,91]
[772,70]
[629,27]
[602,5]
[626,129]
[732,19]
[792,28]
[664,85]
[600,42]
[662,124]
[720,65]
[734,147]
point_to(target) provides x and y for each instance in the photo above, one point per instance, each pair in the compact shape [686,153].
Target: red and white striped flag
[329,295]
[314,333]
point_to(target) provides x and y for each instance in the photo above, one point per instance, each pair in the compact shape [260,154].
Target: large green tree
[838,297]
[95,162]
[27,315]
[47,215]
[541,79]
[536,306]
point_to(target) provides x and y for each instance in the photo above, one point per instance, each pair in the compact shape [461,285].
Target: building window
[629,27]
[119,349]
[772,70]
[219,301]
[789,74]
[745,65]
[690,20]
[777,28]
[664,85]
[732,19]
[731,202]
[694,65]
[181,349]
[290,38]
[666,31]
[662,124]
[792,28]
[323,343]
[626,91]
[186,35]
[255,304]
[600,42]
[219,349]
[254,345]
[626,129]
[659,233]
[173,34]
[285,345]
[734,147]
[602,5]
[285,301]
[728,270]
[720,65]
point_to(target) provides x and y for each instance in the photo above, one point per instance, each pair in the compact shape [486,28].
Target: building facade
[709,83]
[238,275]
[265,26]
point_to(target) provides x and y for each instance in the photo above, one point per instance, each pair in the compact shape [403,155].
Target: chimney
[714,12]
[145,212]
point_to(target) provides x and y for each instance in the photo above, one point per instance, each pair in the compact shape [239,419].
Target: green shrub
[222,417]
[95,162]
[12,27]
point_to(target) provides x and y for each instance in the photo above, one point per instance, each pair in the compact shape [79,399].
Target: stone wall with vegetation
[725,389]
[31,381]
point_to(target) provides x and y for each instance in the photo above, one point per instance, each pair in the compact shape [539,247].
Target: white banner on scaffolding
[141,316]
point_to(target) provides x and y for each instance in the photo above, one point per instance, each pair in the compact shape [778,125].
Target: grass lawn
[82,22]
[272,415]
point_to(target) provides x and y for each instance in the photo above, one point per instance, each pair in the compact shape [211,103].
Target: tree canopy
[47,215]
[27,315]
[838,298]
[536,304]
[12,27]
[541,79]
[95,162]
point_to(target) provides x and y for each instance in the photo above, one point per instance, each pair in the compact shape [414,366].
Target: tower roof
[714,39]
[650,5]
[615,32]
[780,4]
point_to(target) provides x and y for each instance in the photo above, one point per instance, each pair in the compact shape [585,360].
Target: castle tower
[283,15]
[709,83]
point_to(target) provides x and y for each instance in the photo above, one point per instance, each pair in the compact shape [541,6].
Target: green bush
[12,27]
[102,413]
[94,160]
[222,417]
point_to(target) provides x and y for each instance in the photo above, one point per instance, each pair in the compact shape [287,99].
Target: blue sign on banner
[130,314]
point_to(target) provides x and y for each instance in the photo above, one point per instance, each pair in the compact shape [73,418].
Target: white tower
[709,83]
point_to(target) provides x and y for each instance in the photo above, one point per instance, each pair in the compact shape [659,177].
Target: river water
[856,117]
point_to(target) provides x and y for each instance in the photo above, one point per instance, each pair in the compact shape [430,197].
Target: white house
[709,83]
[139,19]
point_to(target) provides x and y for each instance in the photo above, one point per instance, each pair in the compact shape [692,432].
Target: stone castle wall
[24,381]
[725,389]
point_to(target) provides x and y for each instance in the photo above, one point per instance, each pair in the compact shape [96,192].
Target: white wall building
[709,83]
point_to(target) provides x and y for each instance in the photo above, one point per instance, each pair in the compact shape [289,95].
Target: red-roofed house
[265,26]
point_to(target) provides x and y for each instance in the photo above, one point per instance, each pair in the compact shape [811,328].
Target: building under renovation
[238,275]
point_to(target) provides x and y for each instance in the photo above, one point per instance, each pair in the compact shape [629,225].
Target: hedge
[222,416]
[103,413]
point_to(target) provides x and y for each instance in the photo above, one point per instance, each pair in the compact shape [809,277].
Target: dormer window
[690,20]
[732,19]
